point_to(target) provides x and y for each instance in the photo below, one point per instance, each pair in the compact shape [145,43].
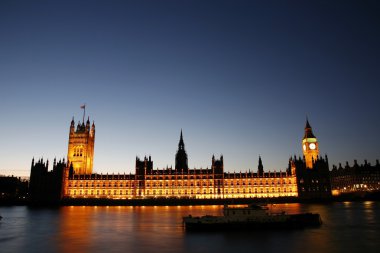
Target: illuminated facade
[78,180]
[180,182]
[309,146]
[355,178]
[171,183]
[312,171]
[81,147]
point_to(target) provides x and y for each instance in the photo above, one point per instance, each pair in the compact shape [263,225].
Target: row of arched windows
[78,151]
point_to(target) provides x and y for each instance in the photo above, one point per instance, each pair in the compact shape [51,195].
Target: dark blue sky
[239,77]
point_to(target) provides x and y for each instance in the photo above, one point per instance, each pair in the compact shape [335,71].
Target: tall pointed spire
[308,130]
[260,167]
[307,123]
[181,144]
[181,156]
[72,126]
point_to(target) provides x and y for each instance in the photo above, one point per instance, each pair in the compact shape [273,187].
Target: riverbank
[362,196]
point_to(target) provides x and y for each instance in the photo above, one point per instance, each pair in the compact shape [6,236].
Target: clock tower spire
[309,146]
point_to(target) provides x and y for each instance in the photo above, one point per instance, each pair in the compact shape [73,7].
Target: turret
[88,124]
[92,132]
[217,165]
[293,168]
[72,126]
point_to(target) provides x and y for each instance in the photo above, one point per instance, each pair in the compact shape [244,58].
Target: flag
[83,106]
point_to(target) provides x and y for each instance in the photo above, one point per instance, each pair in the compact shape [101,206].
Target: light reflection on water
[347,227]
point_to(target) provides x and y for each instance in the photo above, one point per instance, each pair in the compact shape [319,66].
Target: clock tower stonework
[309,146]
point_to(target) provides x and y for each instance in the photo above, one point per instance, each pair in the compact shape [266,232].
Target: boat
[251,217]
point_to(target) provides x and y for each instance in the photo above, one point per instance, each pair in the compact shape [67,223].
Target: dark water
[348,227]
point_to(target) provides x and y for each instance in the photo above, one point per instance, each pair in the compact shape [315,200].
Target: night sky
[239,77]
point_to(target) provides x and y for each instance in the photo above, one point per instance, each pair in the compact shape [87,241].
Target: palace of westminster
[306,177]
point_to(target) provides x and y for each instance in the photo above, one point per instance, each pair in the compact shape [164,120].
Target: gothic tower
[309,146]
[81,147]
[181,156]
[260,168]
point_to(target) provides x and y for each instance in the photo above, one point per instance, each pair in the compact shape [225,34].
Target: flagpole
[84,111]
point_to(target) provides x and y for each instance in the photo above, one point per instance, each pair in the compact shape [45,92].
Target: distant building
[305,178]
[356,178]
[12,188]
[47,186]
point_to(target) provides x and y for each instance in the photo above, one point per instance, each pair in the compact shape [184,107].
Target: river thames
[347,227]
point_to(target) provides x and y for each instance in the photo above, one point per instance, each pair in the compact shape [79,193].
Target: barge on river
[251,217]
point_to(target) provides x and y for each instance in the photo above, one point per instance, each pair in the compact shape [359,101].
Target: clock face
[312,146]
[304,147]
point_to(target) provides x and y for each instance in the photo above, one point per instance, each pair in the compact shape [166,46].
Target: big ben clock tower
[309,146]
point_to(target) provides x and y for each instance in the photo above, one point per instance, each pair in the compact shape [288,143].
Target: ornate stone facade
[81,147]
[182,182]
[78,181]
